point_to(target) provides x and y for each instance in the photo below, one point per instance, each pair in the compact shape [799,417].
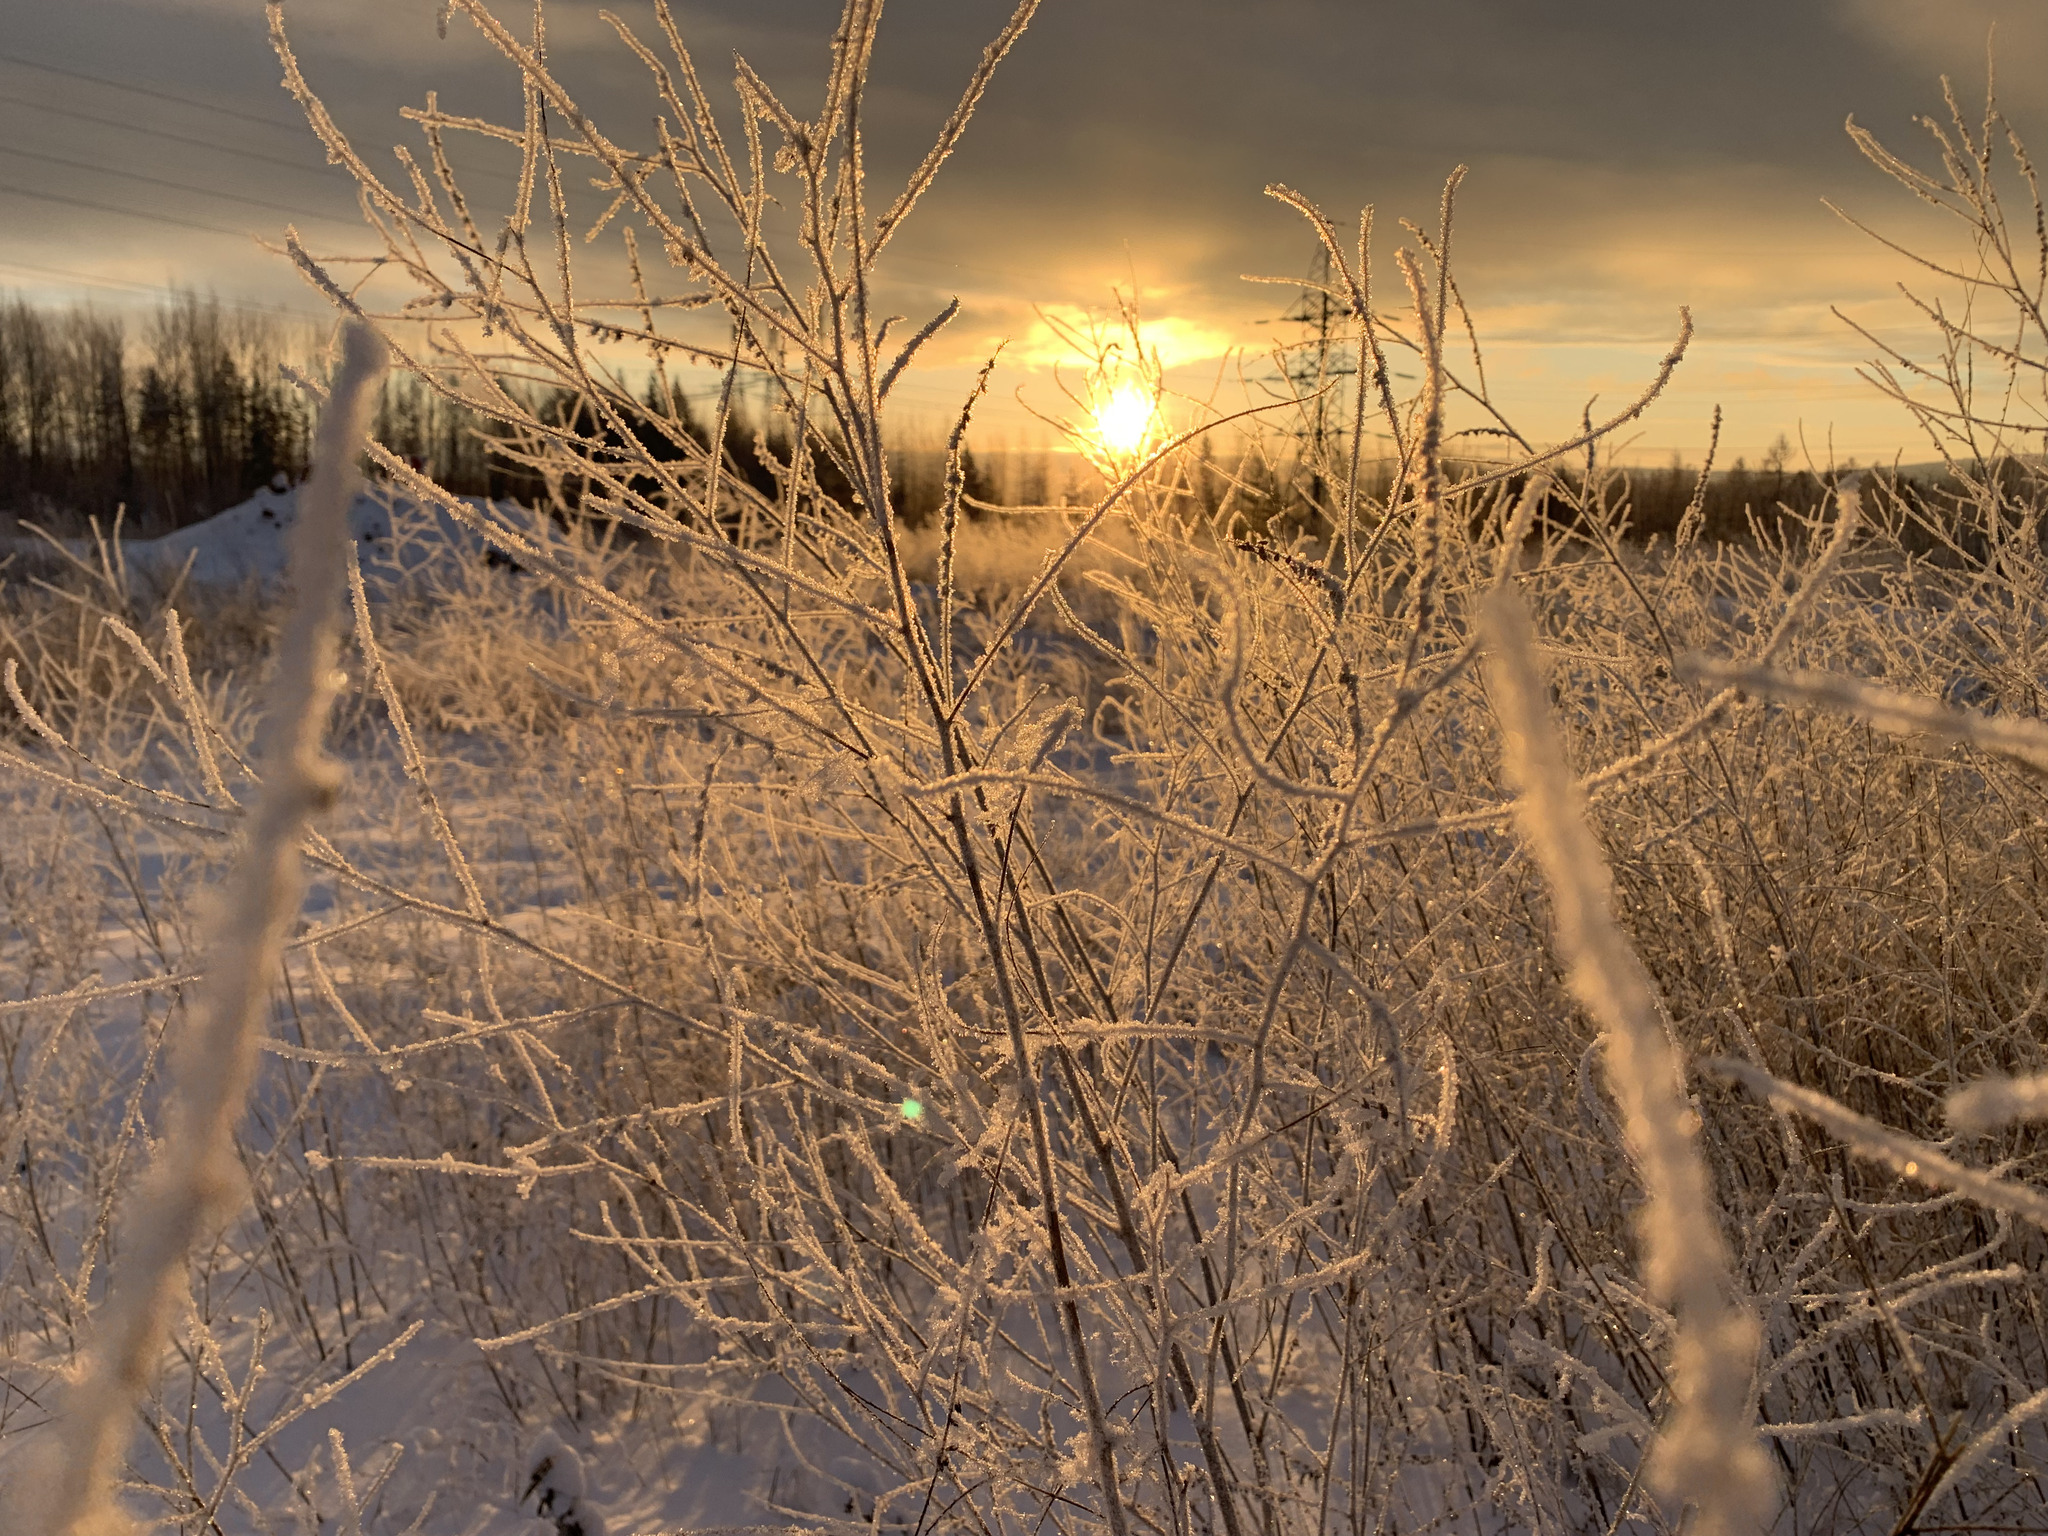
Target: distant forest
[183,412]
[177,422]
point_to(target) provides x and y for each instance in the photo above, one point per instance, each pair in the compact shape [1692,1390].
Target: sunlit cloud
[1130,150]
[1178,340]
[1950,34]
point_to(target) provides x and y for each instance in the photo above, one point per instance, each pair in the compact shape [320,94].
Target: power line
[129,285]
[967,269]
[143,90]
[175,186]
[159,133]
[132,213]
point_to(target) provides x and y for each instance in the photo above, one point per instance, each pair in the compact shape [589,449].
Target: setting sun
[1125,419]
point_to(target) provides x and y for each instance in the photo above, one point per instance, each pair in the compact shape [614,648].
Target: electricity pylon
[1311,367]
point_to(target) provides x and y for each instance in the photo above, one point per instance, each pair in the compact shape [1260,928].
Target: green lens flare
[912,1110]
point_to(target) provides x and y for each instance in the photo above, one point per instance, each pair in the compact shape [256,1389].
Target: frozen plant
[1105,1049]
[553,1484]
[193,1181]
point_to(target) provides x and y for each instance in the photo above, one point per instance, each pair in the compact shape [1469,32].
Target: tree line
[182,411]
[174,415]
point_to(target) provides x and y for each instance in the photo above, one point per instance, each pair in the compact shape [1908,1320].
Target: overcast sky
[1627,157]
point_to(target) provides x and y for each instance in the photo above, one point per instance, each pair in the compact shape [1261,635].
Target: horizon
[1622,164]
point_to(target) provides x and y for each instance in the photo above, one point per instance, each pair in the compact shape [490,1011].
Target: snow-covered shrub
[1095,1053]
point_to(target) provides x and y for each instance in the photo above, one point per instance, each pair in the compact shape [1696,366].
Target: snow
[395,538]
[427,1440]
[397,541]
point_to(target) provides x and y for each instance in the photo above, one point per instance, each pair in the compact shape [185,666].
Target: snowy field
[1261,1004]
[560,932]
[243,549]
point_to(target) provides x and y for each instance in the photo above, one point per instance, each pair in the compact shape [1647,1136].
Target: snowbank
[396,539]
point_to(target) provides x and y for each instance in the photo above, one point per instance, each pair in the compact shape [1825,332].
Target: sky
[1626,158]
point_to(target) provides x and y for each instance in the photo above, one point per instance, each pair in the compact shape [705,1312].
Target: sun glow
[1124,420]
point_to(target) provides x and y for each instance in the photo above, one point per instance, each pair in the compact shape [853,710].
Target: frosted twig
[1991,1102]
[1902,714]
[1708,1453]
[1905,1155]
[2002,1433]
[193,1180]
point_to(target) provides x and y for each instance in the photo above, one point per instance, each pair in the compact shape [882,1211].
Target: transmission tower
[1313,364]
